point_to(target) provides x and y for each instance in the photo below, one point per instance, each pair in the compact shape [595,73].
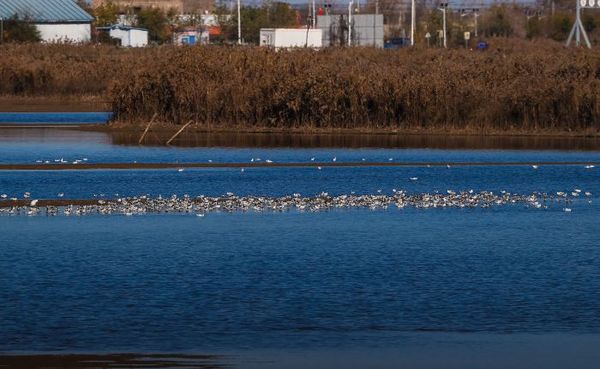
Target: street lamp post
[350,22]
[476,15]
[412,22]
[475,12]
[239,16]
[442,8]
[1,30]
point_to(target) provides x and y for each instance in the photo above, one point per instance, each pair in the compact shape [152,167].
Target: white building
[56,20]
[291,37]
[128,36]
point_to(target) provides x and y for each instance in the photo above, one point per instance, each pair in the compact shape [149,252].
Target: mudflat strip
[105,361]
[91,166]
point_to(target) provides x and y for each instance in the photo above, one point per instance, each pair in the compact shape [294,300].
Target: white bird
[589,166]
[200,215]
[335,158]
[535,166]
[390,159]
[319,168]
[448,166]
[33,203]
[60,194]
[413,178]
[252,160]
[242,170]
[268,161]
[180,170]
[312,159]
[26,195]
[567,210]
[209,160]
[4,195]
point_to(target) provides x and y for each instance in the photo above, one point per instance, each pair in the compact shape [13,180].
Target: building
[364,30]
[179,6]
[191,36]
[56,20]
[127,36]
[290,37]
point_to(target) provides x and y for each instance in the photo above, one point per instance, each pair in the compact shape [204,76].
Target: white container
[291,37]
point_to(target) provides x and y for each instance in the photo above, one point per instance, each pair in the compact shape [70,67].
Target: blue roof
[45,11]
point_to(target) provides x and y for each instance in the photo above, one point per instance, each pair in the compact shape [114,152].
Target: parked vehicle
[397,43]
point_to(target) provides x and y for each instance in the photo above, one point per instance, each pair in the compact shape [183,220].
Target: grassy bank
[515,86]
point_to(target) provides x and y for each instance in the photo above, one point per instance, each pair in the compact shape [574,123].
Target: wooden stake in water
[178,132]
[147,128]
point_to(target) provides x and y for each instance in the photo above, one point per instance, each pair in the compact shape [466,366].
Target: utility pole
[413,19]
[375,23]
[314,14]
[350,22]
[442,8]
[1,30]
[476,15]
[239,16]
[475,12]
[578,29]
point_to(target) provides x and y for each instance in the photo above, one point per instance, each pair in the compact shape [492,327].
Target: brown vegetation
[515,85]
[539,87]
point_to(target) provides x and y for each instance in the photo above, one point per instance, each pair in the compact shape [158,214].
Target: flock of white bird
[400,199]
[203,204]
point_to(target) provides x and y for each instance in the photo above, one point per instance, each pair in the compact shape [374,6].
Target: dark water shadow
[295,140]
[105,361]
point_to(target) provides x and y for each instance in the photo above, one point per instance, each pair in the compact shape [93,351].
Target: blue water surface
[368,282]
[38,146]
[294,280]
[62,118]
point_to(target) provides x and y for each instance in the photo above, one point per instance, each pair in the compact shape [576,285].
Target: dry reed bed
[525,87]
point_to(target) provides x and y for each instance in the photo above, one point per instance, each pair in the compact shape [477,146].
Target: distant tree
[85,5]
[269,15]
[590,22]
[20,30]
[497,23]
[106,14]
[534,28]
[157,23]
[559,26]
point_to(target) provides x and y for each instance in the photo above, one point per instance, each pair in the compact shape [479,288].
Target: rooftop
[45,11]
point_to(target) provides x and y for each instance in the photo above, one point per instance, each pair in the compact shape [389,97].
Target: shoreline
[77,103]
[317,165]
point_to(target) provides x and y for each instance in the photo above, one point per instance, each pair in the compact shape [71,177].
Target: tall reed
[515,85]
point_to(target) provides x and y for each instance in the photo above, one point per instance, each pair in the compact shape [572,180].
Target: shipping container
[290,37]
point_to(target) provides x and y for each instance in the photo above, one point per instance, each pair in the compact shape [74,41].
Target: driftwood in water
[178,132]
[147,128]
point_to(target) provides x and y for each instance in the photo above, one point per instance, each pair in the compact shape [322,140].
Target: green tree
[269,15]
[560,26]
[20,30]
[497,23]
[533,28]
[106,14]
[157,23]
